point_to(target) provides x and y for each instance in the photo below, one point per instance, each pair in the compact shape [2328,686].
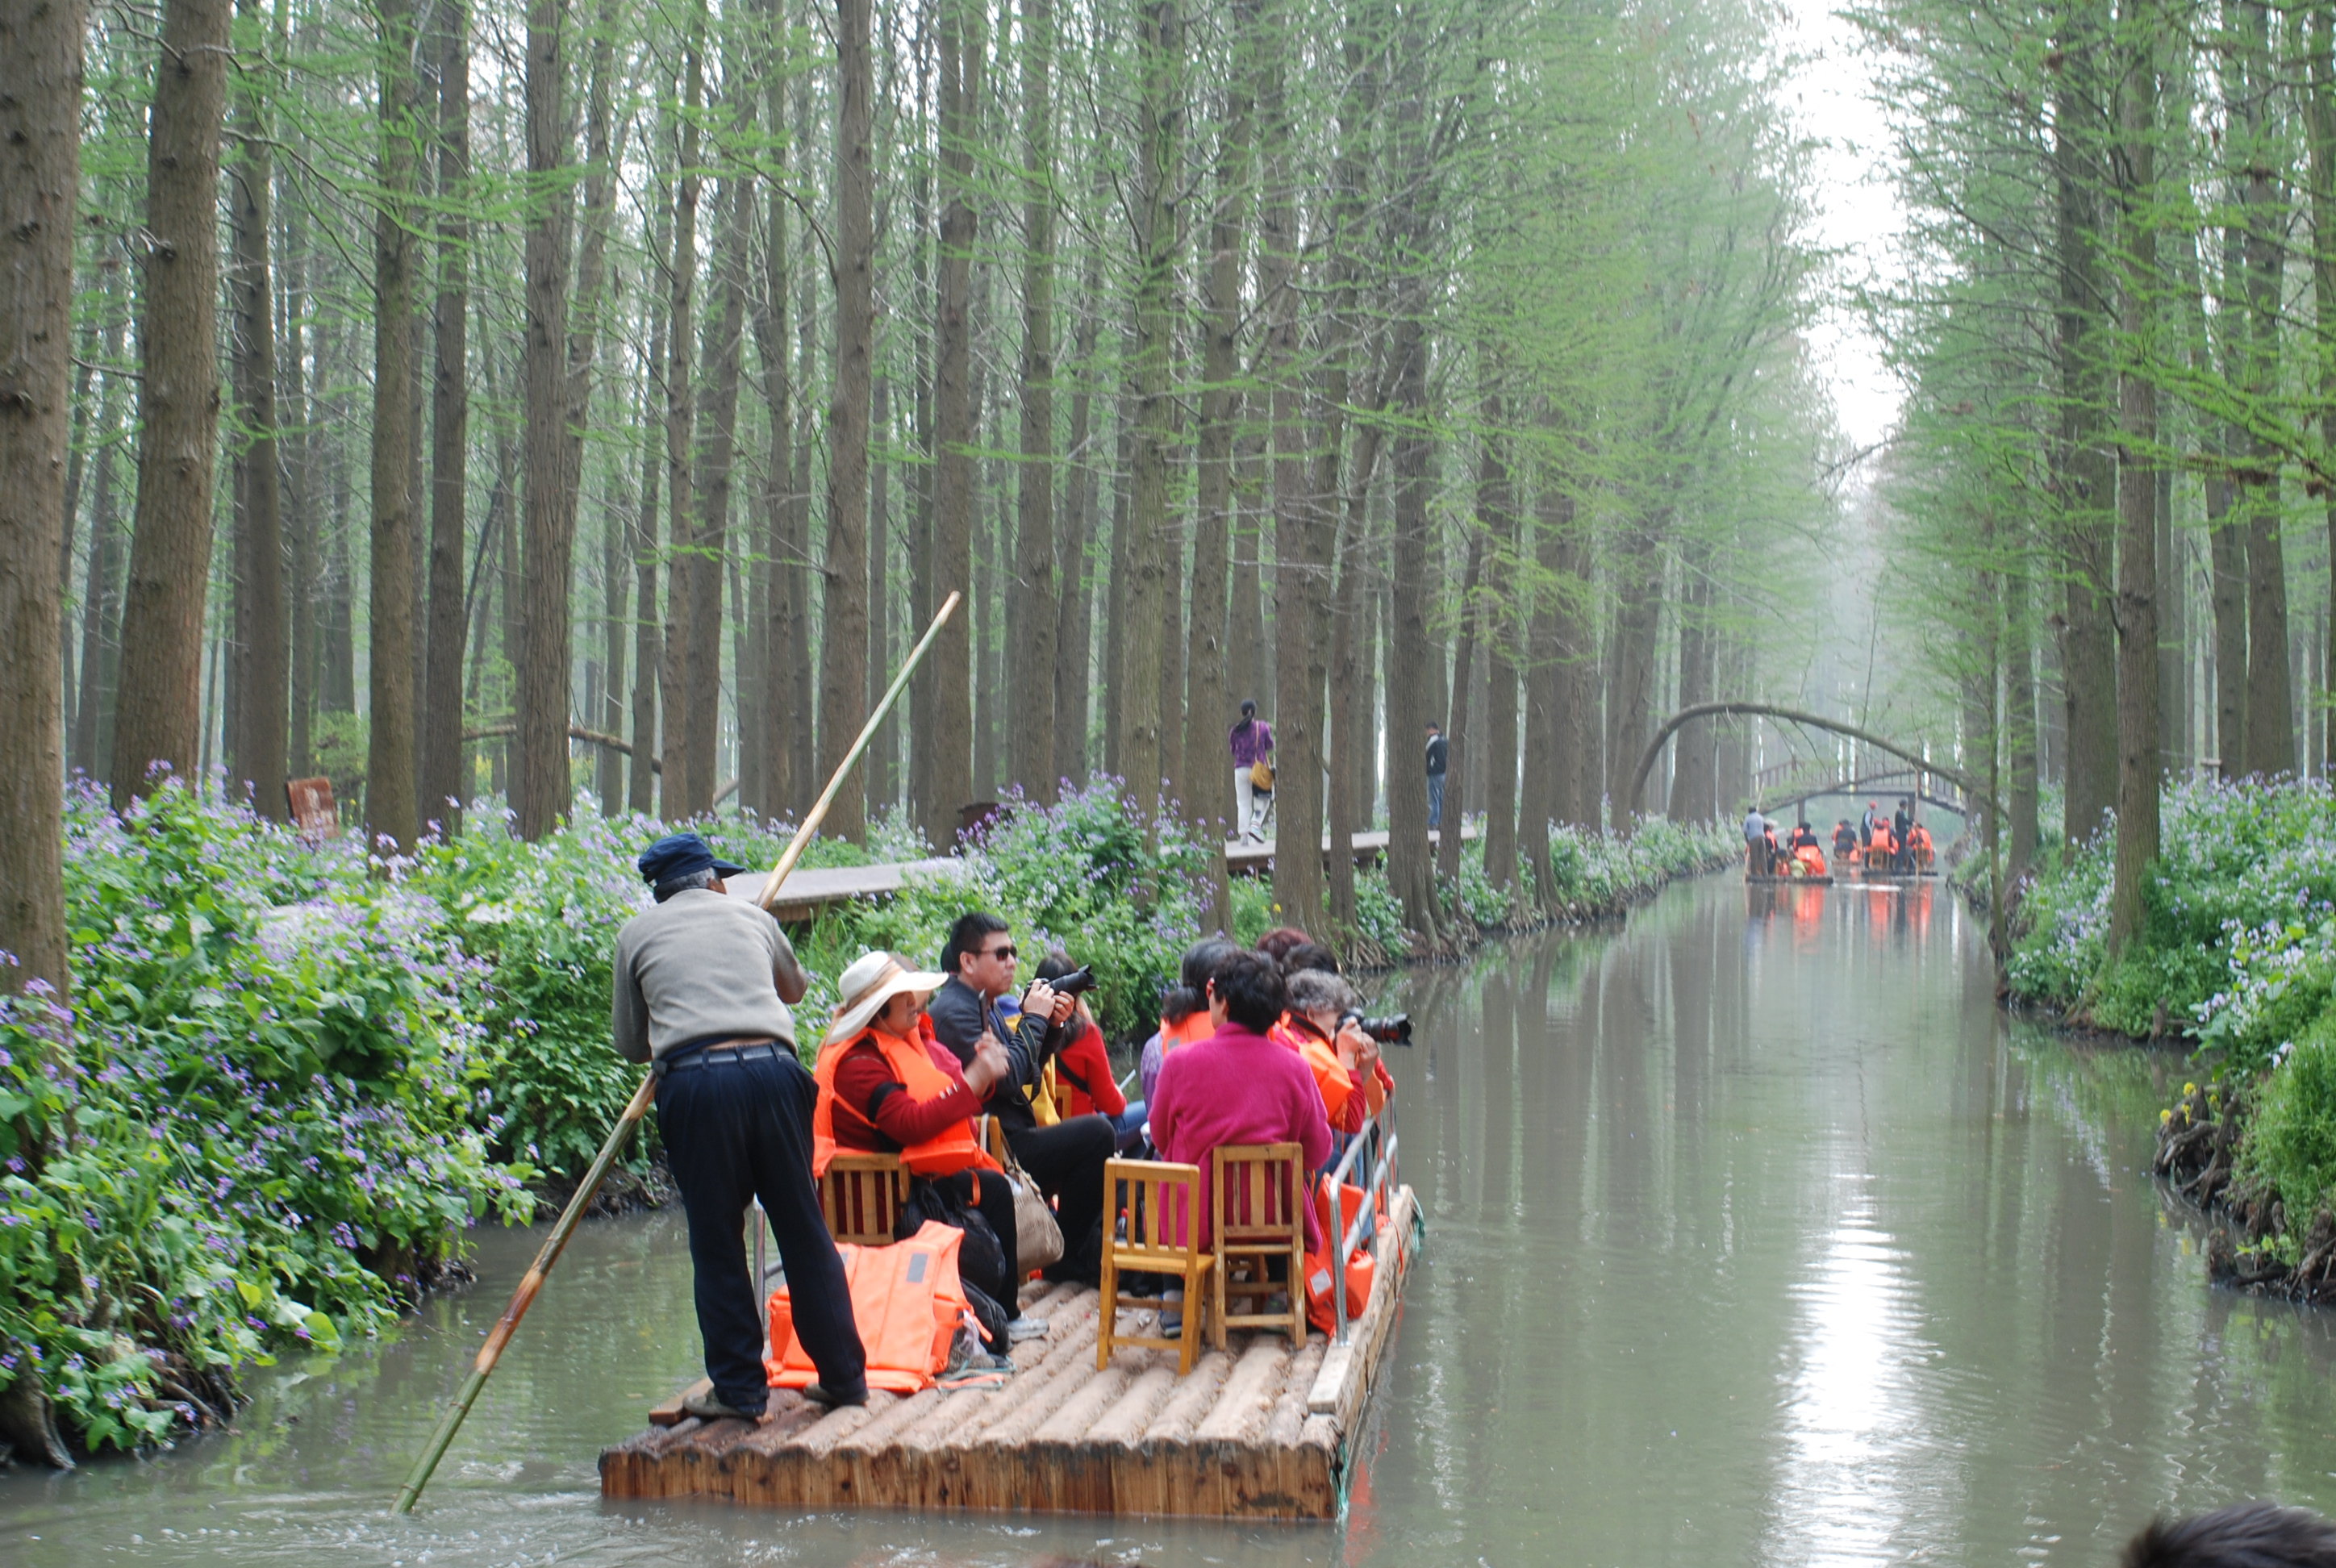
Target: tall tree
[1031,749]
[2261,146]
[949,731]
[444,787]
[158,712]
[2139,766]
[843,647]
[540,780]
[682,793]
[261,745]
[390,805]
[39,176]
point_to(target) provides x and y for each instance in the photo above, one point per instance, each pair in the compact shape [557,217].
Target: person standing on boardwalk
[1439,758]
[701,989]
[1252,741]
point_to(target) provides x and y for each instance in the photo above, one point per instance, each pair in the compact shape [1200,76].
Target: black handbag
[980,1260]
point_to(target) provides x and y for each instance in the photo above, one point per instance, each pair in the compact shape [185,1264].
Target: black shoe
[819,1394]
[709,1406]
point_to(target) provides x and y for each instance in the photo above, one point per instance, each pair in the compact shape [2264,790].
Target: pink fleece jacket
[1238,1088]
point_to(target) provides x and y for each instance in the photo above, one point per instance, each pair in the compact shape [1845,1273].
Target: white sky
[1858,209]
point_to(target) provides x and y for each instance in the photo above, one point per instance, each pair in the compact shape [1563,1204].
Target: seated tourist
[1277,943]
[1183,1011]
[1238,1086]
[1308,956]
[1083,1068]
[887,1086]
[1342,1058]
[1066,1158]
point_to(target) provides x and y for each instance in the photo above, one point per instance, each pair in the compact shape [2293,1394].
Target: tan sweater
[700,966]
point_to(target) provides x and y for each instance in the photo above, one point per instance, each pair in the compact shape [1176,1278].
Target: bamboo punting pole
[484,1365]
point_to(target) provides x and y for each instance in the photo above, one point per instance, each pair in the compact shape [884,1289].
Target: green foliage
[2290,1142]
[256,1131]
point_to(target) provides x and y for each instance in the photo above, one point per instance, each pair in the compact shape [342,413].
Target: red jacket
[1086,1061]
[1237,1088]
[864,1085]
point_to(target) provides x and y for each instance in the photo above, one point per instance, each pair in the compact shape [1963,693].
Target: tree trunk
[40,173]
[1499,635]
[1462,735]
[786,703]
[1160,120]
[2270,721]
[1032,762]
[257,749]
[1637,596]
[1351,725]
[949,780]
[1548,692]
[390,805]
[679,791]
[1694,789]
[843,645]
[2320,123]
[2138,764]
[706,564]
[100,642]
[2087,467]
[883,748]
[1074,601]
[648,640]
[444,787]
[157,711]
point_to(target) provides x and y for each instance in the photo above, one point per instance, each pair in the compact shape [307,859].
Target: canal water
[1756,1234]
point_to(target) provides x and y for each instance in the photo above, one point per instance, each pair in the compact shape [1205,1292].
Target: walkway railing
[1383,1144]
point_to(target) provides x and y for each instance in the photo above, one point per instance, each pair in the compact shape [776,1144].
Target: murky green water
[1757,1236]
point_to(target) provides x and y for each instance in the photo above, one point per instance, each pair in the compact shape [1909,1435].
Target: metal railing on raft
[1380,1133]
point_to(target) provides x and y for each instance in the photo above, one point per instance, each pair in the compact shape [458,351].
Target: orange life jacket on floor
[907,1301]
[1321,1057]
[945,1153]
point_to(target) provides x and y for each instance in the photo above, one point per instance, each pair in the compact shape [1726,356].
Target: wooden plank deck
[810,891]
[1259,1431]
[1254,859]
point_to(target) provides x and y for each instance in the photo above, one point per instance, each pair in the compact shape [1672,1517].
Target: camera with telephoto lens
[1394,1030]
[1077,982]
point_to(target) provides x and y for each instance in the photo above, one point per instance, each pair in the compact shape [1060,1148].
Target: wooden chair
[1160,1201]
[861,1196]
[1259,1213]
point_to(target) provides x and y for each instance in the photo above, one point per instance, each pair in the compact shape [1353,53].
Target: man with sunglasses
[1066,1159]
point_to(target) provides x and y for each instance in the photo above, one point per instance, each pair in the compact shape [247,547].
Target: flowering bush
[2235,859]
[256,1131]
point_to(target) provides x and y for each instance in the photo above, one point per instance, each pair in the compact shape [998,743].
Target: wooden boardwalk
[1258,1432]
[810,890]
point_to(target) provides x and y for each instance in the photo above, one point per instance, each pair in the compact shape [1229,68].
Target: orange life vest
[1321,1057]
[1811,860]
[907,1301]
[1193,1028]
[945,1153]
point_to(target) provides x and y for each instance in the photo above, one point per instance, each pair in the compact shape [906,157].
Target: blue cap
[679,854]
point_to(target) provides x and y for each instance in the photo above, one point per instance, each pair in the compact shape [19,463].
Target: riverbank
[296,1073]
[2237,959]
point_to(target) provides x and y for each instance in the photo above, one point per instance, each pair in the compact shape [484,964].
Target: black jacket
[1438,753]
[959,1018]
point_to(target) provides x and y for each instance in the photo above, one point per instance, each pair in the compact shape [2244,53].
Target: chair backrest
[1260,1192]
[860,1195]
[1162,1201]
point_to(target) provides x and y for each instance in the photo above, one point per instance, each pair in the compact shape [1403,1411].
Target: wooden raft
[1256,1432]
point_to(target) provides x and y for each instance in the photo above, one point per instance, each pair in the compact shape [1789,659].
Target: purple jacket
[1237,1087]
[1250,740]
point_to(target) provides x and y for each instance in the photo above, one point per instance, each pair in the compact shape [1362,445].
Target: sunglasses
[1005,953]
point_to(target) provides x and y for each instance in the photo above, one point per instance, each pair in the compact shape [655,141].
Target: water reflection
[1756,1234]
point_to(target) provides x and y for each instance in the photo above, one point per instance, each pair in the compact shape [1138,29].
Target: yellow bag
[1260,776]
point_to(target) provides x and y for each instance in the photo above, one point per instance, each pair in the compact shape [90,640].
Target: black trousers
[1066,1161]
[736,1131]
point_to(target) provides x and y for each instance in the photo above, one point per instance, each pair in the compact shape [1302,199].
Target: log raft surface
[1259,1431]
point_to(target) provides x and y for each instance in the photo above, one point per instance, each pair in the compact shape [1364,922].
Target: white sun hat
[872,980]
